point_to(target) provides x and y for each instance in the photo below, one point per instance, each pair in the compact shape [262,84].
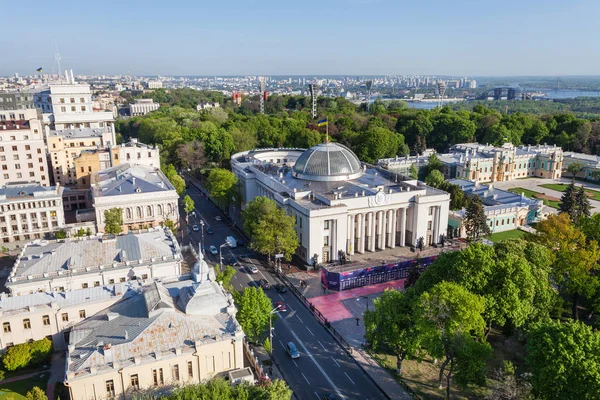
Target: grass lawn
[18,390]
[561,187]
[534,195]
[512,234]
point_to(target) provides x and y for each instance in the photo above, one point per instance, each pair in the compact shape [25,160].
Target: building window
[97,283]
[82,100]
[6,327]
[430,210]
[326,241]
[82,108]
[65,317]
[144,276]
[111,281]
[46,320]
[72,100]
[176,372]
[81,313]
[26,323]
[190,369]
[157,376]
[63,109]
[110,389]
[122,280]
[429,223]
[135,382]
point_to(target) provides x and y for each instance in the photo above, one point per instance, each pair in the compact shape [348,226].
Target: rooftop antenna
[57,59]
[314,88]
[262,83]
[369,85]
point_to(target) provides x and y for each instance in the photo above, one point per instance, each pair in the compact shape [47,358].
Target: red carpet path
[331,308]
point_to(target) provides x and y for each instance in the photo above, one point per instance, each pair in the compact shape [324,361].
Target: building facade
[22,148]
[341,204]
[142,107]
[65,265]
[30,211]
[16,101]
[144,194]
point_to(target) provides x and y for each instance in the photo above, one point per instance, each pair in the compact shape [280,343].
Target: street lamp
[273,311]
[221,254]
[366,298]
[202,227]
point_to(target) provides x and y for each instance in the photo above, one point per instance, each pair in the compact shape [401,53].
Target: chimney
[126,335]
[108,356]
[72,78]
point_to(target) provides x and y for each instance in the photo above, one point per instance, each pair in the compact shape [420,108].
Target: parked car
[213,250]
[264,284]
[210,231]
[292,351]
[252,269]
[232,261]
[218,218]
[280,305]
[280,288]
[195,228]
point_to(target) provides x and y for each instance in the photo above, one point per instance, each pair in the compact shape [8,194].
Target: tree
[113,221]
[254,308]
[507,385]
[18,356]
[224,276]
[378,142]
[177,181]
[61,234]
[564,359]
[391,326]
[574,169]
[435,179]
[36,394]
[271,230]
[192,155]
[475,219]
[568,202]
[583,203]
[220,183]
[434,163]
[414,174]
[188,204]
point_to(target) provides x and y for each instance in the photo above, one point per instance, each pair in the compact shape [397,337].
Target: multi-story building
[30,211]
[142,107]
[134,153]
[163,336]
[144,194]
[341,204]
[154,84]
[22,148]
[208,106]
[65,265]
[16,101]
[50,314]
[504,210]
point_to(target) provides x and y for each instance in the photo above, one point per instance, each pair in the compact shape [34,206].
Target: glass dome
[329,162]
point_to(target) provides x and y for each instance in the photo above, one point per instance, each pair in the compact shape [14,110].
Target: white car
[213,250]
[218,218]
[252,269]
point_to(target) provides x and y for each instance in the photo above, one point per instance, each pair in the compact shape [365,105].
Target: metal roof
[327,162]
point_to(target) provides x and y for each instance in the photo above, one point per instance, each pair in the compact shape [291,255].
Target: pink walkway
[331,307]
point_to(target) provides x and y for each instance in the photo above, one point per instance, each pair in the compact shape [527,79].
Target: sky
[289,37]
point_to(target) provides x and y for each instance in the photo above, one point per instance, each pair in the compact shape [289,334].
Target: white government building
[341,204]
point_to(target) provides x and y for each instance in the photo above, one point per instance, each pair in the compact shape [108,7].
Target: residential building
[504,210]
[64,265]
[22,148]
[163,336]
[50,314]
[30,211]
[142,107]
[16,101]
[144,194]
[341,204]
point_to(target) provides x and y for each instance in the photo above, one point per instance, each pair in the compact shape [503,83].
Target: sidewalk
[57,371]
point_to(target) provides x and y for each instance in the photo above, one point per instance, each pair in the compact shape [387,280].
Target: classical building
[22,148]
[341,204]
[65,265]
[504,210]
[154,84]
[144,194]
[30,211]
[142,107]
[162,336]
[39,315]
[589,162]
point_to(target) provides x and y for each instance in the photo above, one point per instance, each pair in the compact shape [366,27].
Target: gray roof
[492,196]
[125,179]
[77,133]
[75,256]
[327,162]
[22,191]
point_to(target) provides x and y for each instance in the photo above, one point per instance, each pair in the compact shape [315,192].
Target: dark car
[232,261]
[264,284]
[210,231]
[280,288]
[195,228]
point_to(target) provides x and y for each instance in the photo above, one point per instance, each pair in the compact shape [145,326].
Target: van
[231,241]
[292,351]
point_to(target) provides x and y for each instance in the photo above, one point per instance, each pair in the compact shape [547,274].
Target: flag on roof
[39,69]
[322,122]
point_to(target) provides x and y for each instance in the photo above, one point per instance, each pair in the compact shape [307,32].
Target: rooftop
[492,196]
[26,191]
[77,133]
[14,125]
[327,162]
[125,179]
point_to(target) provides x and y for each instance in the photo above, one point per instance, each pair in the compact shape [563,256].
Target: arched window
[128,213]
[170,208]
[149,211]
[160,212]
[138,212]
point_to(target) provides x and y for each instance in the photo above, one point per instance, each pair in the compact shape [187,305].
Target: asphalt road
[323,367]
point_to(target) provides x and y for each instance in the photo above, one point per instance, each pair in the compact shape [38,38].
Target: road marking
[349,378]
[282,345]
[316,363]
[322,345]
[318,397]
[202,217]
[310,331]
[294,361]
[280,296]
[336,363]
[305,378]
[299,318]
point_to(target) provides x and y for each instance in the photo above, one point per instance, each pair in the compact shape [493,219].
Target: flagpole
[327,131]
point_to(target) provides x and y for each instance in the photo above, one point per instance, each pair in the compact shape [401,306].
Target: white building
[341,204]
[142,107]
[207,106]
[71,264]
[22,148]
[154,84]
[144,194]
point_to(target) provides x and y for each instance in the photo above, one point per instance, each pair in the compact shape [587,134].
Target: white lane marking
[280,296]
[336,363]
[318,397]
[299,318]
[206,224]
[322,345]
[349,378]
[310,331]
[306,379]
[316,363]
[294,361]
[282,345]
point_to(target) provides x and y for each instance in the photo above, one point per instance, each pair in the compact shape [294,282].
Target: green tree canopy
[475,220]
[36,394]
[188,204]
[254,308]
[113,221]
[435,179]
[220,184]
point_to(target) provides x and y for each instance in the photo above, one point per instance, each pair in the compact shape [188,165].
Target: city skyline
[360,37]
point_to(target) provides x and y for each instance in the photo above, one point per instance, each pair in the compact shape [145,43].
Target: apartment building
[71,264]
[16,101]
[30,211]
[50,314]
[22,148]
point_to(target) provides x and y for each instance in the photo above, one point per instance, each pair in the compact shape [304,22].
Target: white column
[392,237]
[361,233]
[436,226]
[403,227]
[350,235]
[371,238]
[381,230]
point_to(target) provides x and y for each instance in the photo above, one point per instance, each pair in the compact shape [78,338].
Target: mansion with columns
[341,204]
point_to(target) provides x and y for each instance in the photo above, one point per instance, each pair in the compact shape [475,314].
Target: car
[213,250]
[252,269]
[280,306]
[280,288]
[218,218]
[231,261]
[195,228]
[210,231]
[292,351]
[263,283]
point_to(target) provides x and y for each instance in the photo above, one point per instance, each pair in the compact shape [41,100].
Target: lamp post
[221,254]
[202,239]
[273,311]
[366,298]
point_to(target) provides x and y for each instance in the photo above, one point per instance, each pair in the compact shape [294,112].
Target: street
[323,367]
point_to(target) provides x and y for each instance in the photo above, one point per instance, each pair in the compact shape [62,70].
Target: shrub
[25,354]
